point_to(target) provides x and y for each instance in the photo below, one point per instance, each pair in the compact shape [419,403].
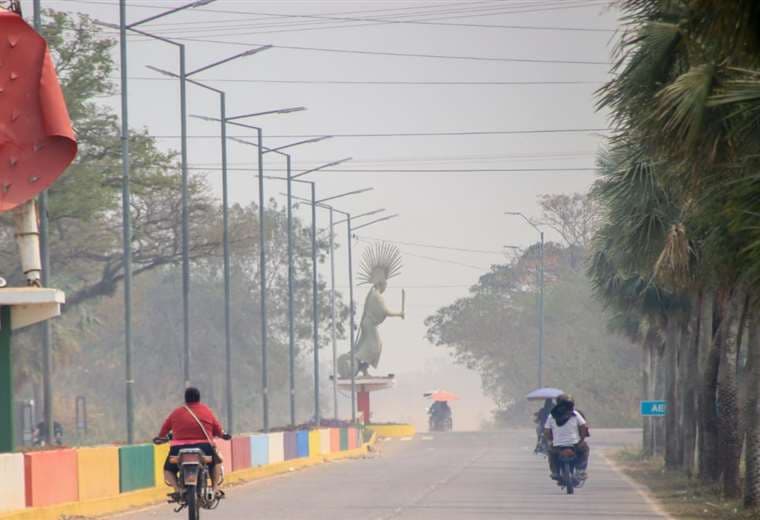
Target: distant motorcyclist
[193,425]
[40,434]
[566,427]
[440,413]
[540,418]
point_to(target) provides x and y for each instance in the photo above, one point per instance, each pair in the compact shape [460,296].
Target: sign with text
[654,408]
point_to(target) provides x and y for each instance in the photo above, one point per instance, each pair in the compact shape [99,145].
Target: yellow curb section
[147,497]
[392,430]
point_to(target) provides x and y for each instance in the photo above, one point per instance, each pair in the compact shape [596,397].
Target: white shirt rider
[569,433]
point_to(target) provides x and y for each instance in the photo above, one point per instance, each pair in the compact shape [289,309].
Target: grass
[682,497]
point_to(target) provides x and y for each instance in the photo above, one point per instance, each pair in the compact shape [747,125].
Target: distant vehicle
[440,417]
[194,480]
[568,479]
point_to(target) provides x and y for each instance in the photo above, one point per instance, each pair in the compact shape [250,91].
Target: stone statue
[37,141]
[380,263]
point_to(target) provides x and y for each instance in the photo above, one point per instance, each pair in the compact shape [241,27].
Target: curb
[392,430]
[156,495]
[641,490]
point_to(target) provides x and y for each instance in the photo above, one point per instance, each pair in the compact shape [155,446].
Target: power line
[432,171]
[406,134]
[347,82]
[430,246]
[400,54]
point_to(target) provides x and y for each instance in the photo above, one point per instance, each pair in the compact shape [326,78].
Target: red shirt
[186,430]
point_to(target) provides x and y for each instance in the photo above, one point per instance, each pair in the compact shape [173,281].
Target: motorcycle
[196,492]
[568,477]
[439,423]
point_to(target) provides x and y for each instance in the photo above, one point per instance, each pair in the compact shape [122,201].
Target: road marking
[427,438]
[406,438]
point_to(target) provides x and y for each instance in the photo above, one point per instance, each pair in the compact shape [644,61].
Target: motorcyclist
[193,425]
[566,427]
[540,417]
[439,411]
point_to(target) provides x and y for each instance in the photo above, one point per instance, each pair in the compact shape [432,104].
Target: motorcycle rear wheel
[567,478]
[193,507]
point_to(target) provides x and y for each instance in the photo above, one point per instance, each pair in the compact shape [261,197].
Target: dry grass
[682,497]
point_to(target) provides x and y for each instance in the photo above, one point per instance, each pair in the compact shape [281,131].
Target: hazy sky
[459,209]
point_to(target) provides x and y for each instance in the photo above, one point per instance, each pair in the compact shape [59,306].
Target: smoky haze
[475,177]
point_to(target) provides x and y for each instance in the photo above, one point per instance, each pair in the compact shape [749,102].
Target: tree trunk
[645,439]
[659,394]
[691,380]
[728,402]
[709,468]
[752,454]
[672,433]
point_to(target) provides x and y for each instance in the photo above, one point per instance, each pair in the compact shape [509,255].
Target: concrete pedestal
[364,386]
[19,307]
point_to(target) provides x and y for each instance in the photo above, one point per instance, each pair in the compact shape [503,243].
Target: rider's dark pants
[581,451]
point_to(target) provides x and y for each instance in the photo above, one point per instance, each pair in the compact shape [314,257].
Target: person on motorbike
[540,418]
[193,425]
[440,411]
[566,427]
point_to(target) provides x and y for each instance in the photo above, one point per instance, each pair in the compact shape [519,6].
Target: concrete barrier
[276,447]
[334,440]
[259,449]
[137,467]
[393,430]
[343,439]
[291,445]
[353,438]
[159,457]
[98,472]
[324,440]
[224,449]
[241,453]
[314,440]
[12,482]
[50,477]
[302,444]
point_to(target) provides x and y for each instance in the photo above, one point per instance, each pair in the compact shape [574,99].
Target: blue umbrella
[544,393]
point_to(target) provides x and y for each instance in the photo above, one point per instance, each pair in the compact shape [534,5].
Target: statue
[379,264]
[37,142]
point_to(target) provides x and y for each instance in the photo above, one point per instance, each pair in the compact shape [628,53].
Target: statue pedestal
[19,307]
[364,386]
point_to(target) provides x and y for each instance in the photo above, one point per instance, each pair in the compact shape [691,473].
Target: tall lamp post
[125,194]
[540,297]
[291,267]
[225,218]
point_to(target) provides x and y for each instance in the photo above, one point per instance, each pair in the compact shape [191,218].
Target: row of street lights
[184,78]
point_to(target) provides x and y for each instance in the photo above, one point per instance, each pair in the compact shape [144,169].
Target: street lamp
[540,298]
[291,271]
[225,216]
[262,253]
[125,195]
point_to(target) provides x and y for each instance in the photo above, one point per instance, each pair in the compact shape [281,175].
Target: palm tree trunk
[752,454]
[672,433]
[691,380]
[646,441]
[709,469]
[728,411]
[659,393]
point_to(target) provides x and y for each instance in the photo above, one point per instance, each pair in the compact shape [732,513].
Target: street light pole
[541,286]
[125,200]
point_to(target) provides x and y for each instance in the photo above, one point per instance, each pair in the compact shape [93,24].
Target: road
[445,476]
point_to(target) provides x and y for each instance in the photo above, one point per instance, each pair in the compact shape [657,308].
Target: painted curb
[392,430]
[156,495]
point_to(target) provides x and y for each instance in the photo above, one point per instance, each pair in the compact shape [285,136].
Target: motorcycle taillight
[189,458]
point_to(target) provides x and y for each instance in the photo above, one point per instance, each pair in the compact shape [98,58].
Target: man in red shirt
[188,433]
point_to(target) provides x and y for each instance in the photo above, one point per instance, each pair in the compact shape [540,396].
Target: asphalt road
[451,476]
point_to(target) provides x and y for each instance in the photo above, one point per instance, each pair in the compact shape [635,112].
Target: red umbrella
[442,395]
[37,142]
